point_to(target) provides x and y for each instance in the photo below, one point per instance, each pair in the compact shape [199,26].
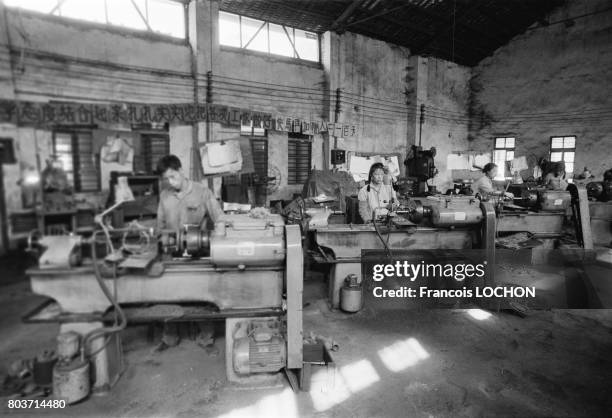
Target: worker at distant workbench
[555,179]
[376,196]
[185,201]
[484,185]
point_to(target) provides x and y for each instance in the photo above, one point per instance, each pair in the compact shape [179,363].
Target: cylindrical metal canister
[351,298]
[68,345]
[71,381]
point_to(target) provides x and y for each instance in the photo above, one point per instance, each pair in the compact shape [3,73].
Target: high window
[166,17]
[258,35]
[249,129]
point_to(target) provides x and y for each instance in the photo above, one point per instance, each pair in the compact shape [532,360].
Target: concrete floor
[391,363]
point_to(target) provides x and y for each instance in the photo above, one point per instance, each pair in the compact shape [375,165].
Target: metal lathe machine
[250,270]
[542,212]
[425,223]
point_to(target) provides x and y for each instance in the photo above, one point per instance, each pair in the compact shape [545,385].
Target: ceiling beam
[403,26]
[275,12]
[339,24]
[383,13]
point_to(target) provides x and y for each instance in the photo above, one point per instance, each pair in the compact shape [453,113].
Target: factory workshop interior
[309,208]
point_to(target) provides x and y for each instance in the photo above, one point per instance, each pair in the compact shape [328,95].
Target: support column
[7,92]
[329,85]
[203,42]
[421,95]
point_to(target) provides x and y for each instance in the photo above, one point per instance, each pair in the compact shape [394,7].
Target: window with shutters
[236,186]
[259,147]
[260,157]
[154,147]
[300,151]
[75,152]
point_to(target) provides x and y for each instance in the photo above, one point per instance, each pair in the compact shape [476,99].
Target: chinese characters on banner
[61,113]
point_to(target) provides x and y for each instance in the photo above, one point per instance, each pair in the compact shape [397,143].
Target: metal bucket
[351,298]
[71,382]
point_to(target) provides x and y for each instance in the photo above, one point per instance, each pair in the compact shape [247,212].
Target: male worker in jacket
[182,202]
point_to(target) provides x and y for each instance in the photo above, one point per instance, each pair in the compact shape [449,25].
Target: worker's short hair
[488,167]
[168,162]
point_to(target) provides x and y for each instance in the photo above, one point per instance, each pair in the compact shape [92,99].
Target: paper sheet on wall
[392,165]
[359,167]
[123,193]
[223,153]
[480,160]
[117,154]
[458,162]
[221,157]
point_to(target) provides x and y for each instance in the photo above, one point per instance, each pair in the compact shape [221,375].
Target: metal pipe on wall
[337,110]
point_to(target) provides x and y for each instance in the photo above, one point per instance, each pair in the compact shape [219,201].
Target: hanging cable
[113,300]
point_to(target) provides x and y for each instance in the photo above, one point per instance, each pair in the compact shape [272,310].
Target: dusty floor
[391,363]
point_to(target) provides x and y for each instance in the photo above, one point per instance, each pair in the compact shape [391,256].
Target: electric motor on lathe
[443,216]
[448,211]
[261,349]
[243,241]
[554,200]
[237,240]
